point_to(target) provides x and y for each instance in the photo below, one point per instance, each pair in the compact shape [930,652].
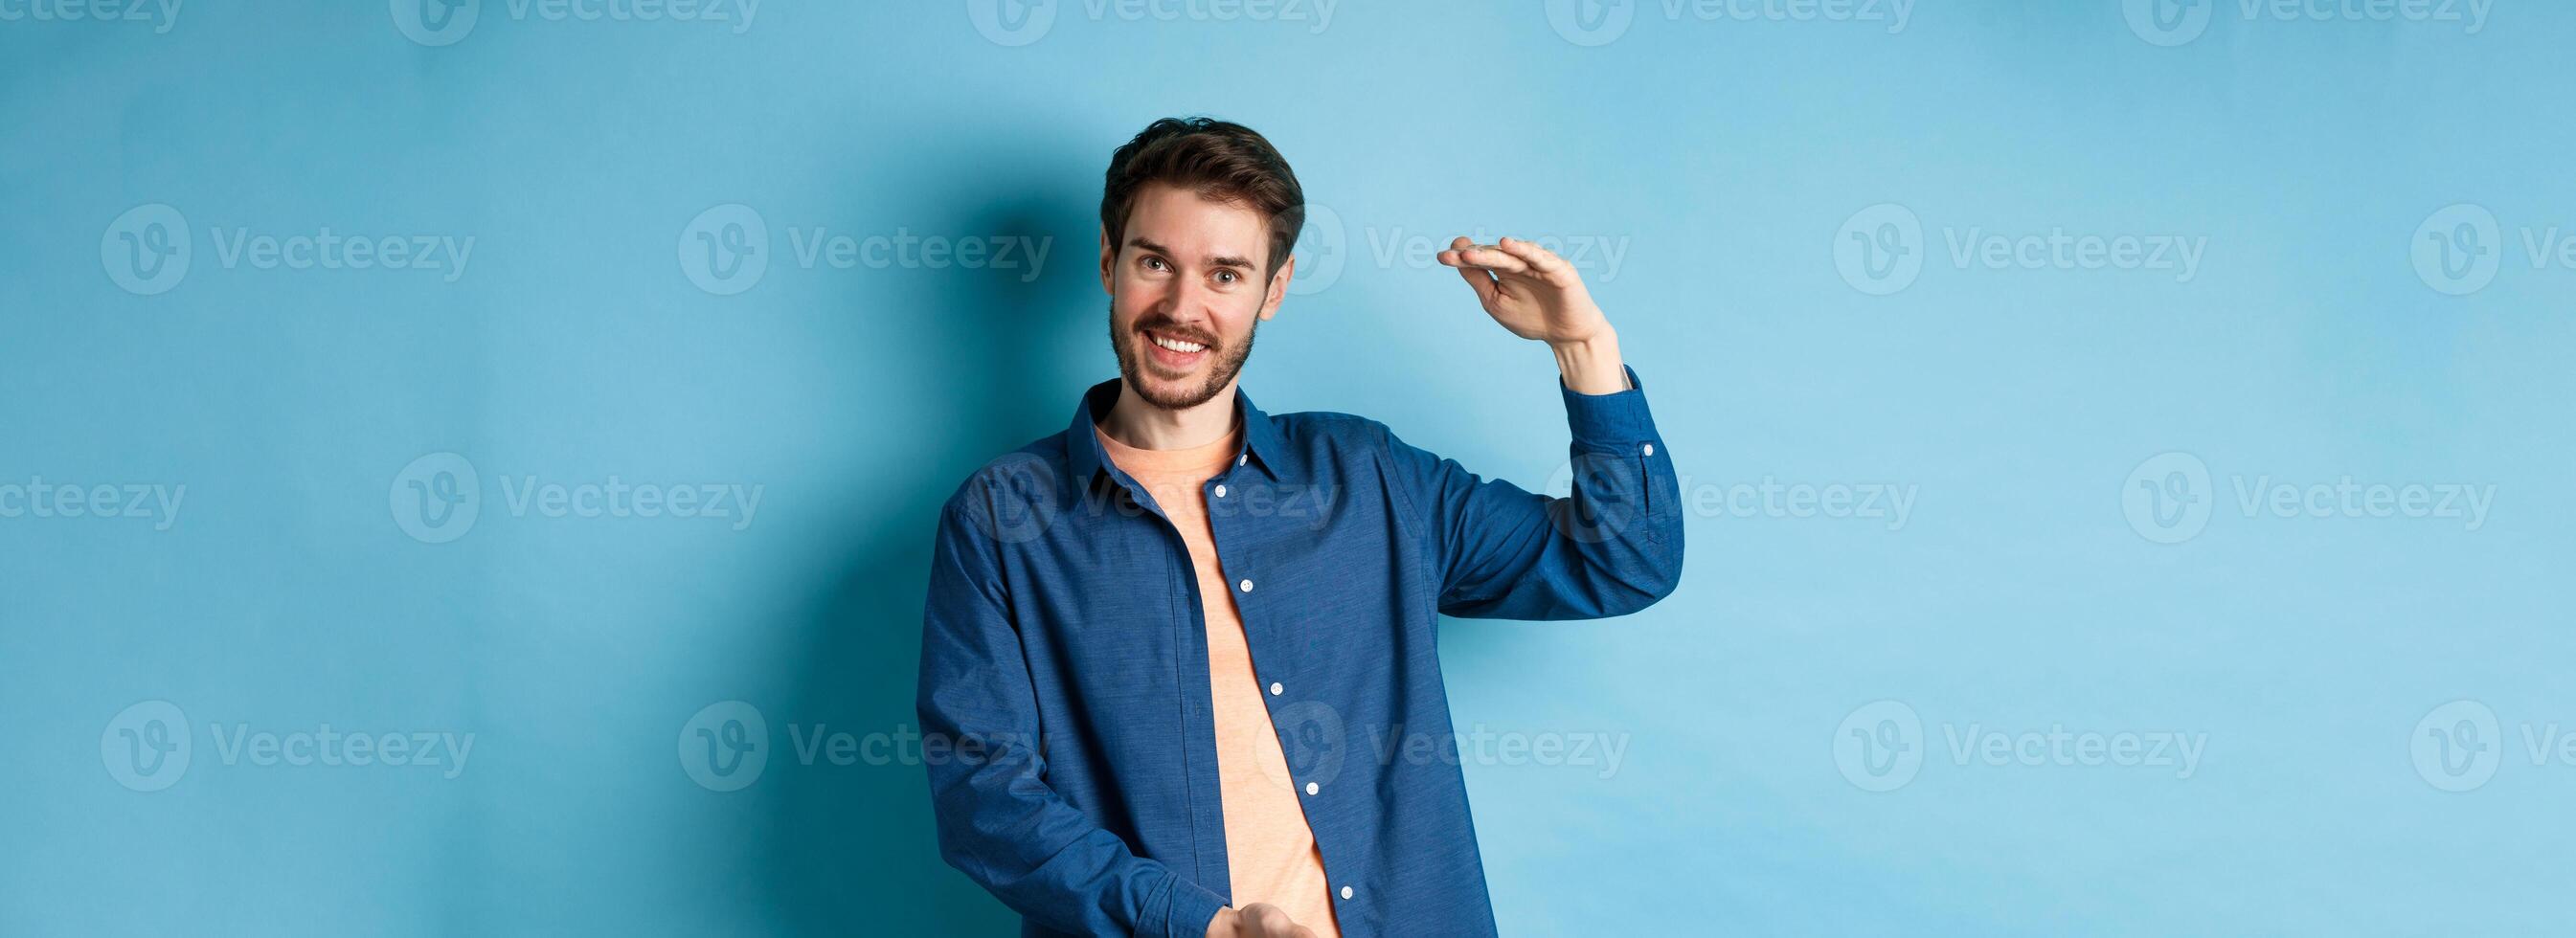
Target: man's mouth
[1173,353]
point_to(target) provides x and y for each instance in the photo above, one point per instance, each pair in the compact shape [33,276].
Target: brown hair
[1221,160]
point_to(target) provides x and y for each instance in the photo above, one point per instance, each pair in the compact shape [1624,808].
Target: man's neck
[1142,425]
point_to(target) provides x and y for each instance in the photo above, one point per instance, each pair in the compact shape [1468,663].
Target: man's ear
[1108,262]
[1279,287]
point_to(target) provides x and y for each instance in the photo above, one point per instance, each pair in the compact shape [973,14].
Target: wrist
[1591,365]
[1223,924]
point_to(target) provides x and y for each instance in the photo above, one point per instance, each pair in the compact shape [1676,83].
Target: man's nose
[1192,305]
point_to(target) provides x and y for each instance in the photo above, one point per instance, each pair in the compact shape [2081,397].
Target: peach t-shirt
[1270,852]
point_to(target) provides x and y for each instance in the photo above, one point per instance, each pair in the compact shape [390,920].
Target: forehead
[1180,219]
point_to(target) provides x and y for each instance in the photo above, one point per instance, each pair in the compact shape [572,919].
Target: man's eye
[1153,263]
[1227,277]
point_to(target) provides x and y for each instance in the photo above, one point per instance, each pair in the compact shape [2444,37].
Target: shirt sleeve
[999,822]
[1611,546]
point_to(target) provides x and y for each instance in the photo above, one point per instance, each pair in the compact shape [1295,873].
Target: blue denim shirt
[1064,663]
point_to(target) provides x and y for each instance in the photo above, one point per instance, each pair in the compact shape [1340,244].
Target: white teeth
[1177,345]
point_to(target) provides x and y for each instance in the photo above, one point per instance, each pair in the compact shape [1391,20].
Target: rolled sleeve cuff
[1186,912]
[1609,421]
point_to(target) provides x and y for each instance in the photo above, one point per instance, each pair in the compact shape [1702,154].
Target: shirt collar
[1262,447]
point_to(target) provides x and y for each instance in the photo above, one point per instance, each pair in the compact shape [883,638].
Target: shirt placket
[1204,785]
[1235,534]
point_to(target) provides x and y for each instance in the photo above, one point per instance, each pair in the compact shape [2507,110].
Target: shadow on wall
[853,848]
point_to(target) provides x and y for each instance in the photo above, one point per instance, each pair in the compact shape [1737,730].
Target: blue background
[2022,592]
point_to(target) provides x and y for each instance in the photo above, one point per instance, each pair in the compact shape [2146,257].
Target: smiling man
[1133,622]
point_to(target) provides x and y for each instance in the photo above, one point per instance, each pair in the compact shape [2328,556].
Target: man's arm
[1611,547]
[998,820]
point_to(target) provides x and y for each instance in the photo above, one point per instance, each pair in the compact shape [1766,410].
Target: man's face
[1186,290]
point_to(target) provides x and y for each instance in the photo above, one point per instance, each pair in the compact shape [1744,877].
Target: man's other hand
[1258,920]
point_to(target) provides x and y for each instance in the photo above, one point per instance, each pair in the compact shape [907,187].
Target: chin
[1172,393]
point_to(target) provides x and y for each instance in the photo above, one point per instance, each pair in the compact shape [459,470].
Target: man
[1133,621]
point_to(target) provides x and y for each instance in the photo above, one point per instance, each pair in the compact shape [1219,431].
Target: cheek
[1239,323]
[1128,302]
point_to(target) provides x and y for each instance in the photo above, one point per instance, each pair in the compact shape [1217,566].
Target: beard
[1225,359]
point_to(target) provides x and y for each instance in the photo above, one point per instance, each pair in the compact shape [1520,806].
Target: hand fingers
[1479,278]
[1540,260]
[1482,280]
[1268,920]
[1465,253]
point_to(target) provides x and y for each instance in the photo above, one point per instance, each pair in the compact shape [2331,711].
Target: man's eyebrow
[1220,260]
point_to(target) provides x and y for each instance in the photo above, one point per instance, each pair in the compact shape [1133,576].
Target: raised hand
[1537,295]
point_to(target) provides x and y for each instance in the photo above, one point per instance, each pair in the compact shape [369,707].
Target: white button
[1650,450]
[1238,460]
[1275,688]
[1220,490]
[1346,892]
[1311,788]
[1246,585]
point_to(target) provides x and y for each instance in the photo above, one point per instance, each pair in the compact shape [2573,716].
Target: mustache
[1171,328]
